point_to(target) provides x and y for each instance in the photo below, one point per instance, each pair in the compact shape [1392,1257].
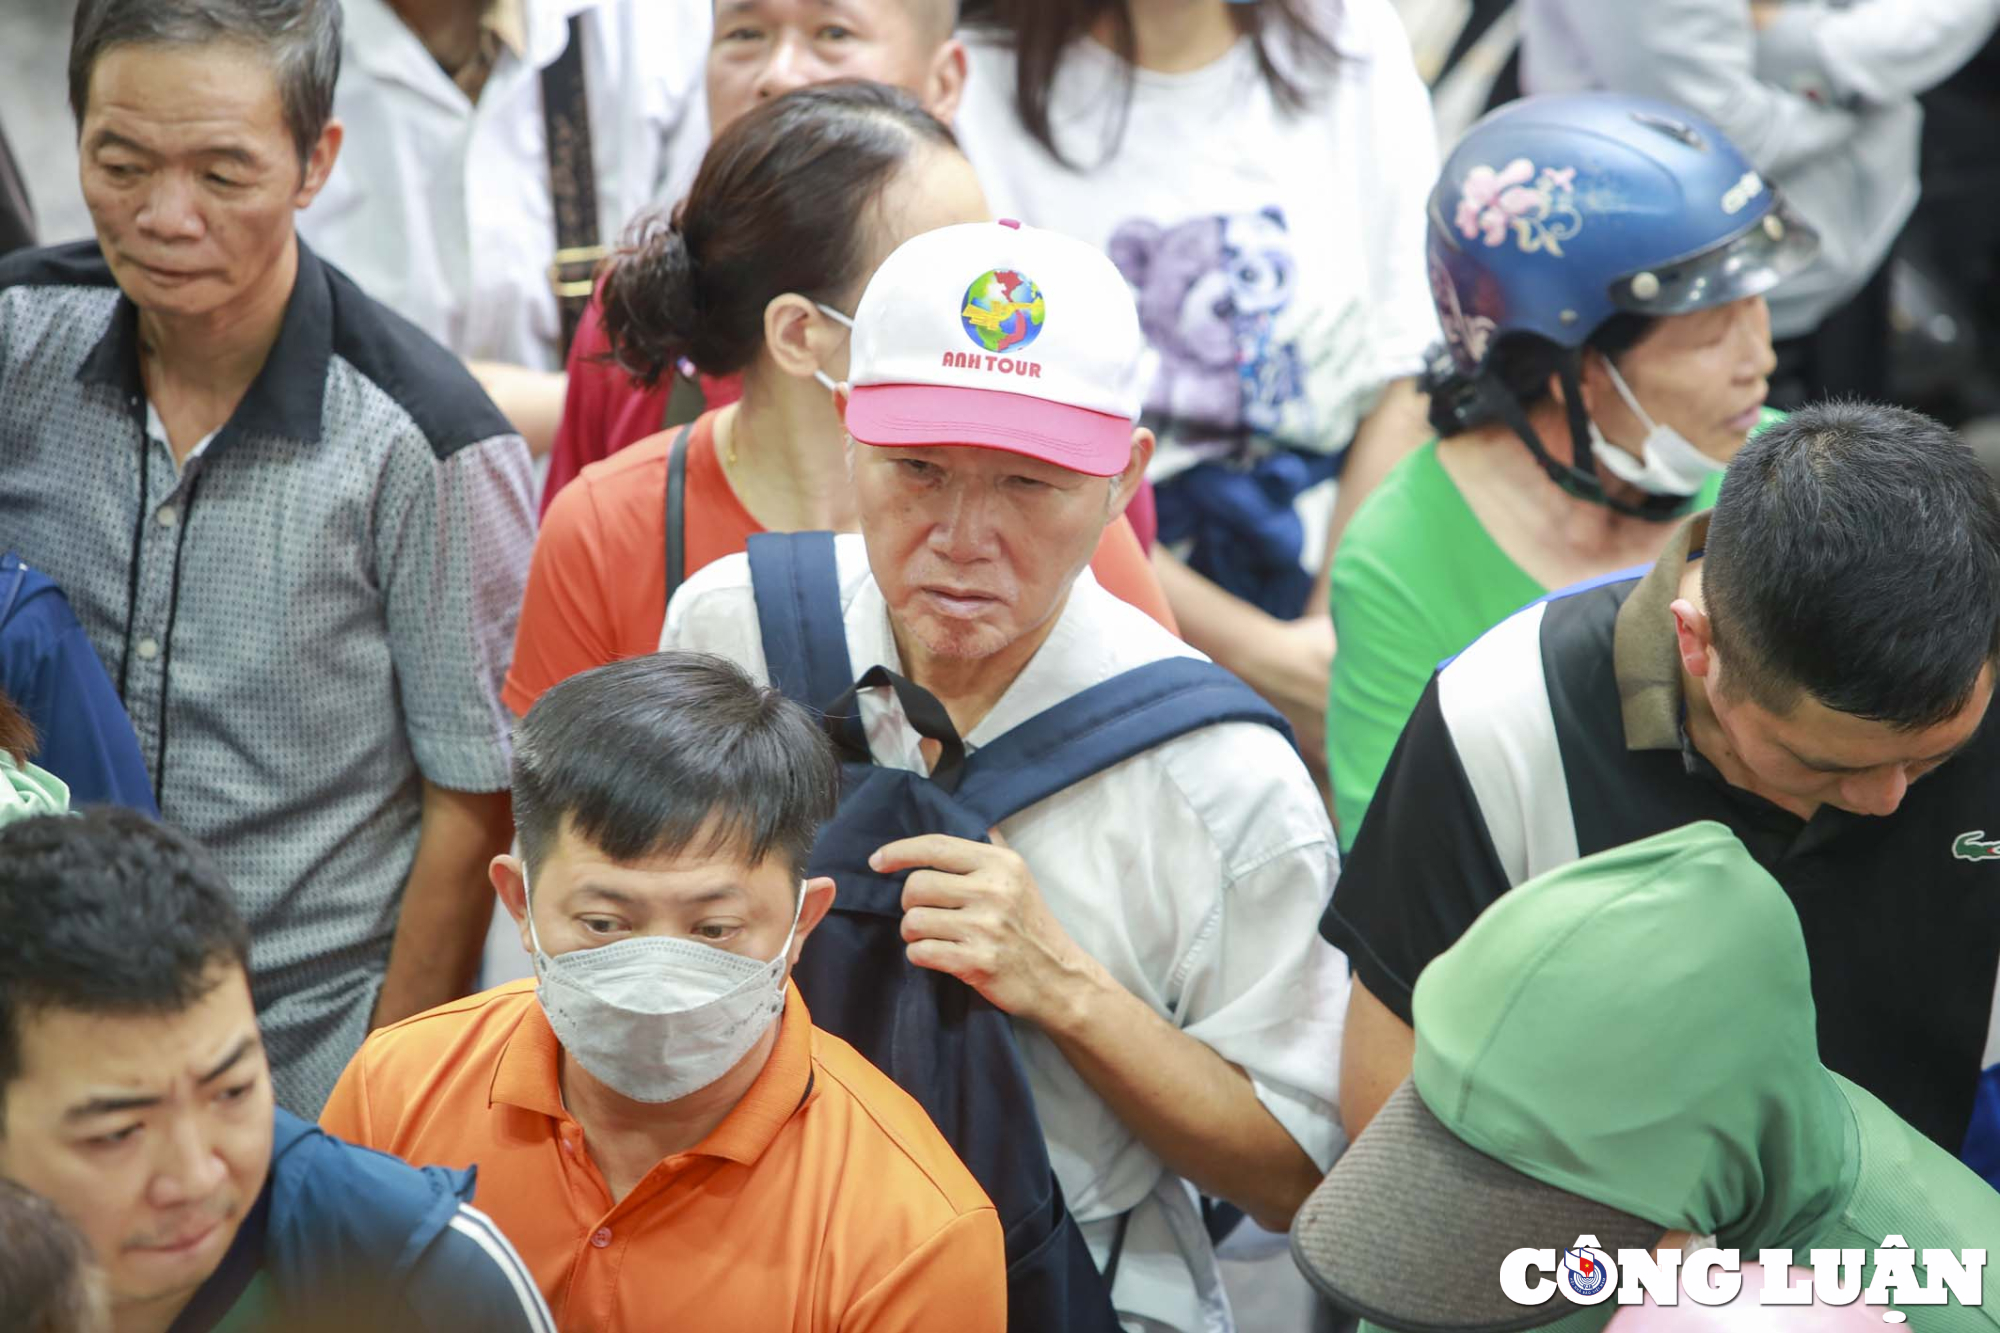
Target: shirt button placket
[154,589]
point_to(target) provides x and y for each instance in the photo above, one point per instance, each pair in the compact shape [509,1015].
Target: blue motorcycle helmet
[1555,215]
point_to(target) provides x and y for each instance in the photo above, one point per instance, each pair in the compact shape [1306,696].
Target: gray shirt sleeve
[453,545]
[1699,53]
[1873,51]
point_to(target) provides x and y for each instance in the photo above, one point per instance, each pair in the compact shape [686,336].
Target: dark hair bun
[783,203]
[650,295]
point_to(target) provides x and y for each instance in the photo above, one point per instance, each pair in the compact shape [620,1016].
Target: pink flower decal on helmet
[1540,211]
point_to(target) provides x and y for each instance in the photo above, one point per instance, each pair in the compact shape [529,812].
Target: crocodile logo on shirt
[1973,846]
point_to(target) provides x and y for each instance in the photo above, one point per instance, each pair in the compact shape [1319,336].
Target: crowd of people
[1069,644]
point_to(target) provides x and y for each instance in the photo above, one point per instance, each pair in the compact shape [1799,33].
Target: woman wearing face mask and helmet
[1598,263]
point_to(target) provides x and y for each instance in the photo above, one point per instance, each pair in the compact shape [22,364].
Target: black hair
[655,755]
[1041,31]
[1520,366]
[300,37]
[107,912]
[1854,556]
[45,1268]
[782,203]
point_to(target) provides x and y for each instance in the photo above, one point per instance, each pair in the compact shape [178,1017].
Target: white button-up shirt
[440,207]
[1196,873]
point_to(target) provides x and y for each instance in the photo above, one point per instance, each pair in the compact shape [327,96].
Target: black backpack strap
[1105,725]
[797,587]
[677,471]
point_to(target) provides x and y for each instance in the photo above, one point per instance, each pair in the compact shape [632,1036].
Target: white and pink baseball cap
[1000,336]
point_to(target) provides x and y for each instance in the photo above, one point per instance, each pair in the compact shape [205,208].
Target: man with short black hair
[134,1095]
[1791,668]
[658,1116]
[291,525]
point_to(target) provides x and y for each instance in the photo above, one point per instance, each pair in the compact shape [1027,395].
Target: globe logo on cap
[1003,311]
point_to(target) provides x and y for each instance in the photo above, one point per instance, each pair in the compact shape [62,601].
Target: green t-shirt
[1416,580]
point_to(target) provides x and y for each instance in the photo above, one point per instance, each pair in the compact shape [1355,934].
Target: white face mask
[1672,466]
[653,1018]
[837,318]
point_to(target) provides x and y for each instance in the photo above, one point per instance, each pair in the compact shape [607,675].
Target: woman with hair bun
[795,205]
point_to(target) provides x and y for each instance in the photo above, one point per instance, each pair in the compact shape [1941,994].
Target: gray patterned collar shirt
[308,615]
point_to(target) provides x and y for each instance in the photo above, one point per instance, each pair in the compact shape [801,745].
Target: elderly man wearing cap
[1148,928]
[1574,1078]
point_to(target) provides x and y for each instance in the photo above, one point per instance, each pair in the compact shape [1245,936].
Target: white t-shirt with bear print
[1278,258]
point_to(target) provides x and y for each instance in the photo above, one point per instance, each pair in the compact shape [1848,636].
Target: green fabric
[1637,1027]
[26,790]
[257,1310]
[1415,580]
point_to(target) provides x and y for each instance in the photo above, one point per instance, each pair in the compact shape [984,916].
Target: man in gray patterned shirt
[293,527]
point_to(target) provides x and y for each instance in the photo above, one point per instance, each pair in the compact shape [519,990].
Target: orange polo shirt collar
[528,1074]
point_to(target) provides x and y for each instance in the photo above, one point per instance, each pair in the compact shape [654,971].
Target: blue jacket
[50,671]
[346,1238]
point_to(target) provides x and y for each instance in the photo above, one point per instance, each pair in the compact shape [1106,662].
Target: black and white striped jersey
[1558,734]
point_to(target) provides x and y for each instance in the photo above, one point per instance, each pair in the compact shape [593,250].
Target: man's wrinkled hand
[974,911]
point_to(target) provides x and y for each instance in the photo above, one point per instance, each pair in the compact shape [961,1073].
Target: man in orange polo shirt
[658,1127]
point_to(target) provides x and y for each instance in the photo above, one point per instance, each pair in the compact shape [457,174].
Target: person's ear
[800,337]
[791,334]
[818,898]
[944,84]
[319,163]
[1135,470]
[508,881]
[1591,384]
[1695,638]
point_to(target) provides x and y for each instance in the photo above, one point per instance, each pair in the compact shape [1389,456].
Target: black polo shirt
[1558,734]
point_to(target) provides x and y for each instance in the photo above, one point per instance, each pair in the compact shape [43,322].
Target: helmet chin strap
[1579,476]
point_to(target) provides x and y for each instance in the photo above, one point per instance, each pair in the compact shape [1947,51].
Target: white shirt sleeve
[1260,987]
[1406,169]
[715,611]
[683,85]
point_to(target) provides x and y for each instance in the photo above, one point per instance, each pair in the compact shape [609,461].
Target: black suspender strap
[1118,1247]
[572,182]
[677,468]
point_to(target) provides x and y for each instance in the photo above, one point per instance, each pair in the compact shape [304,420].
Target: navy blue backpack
[934,1035]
